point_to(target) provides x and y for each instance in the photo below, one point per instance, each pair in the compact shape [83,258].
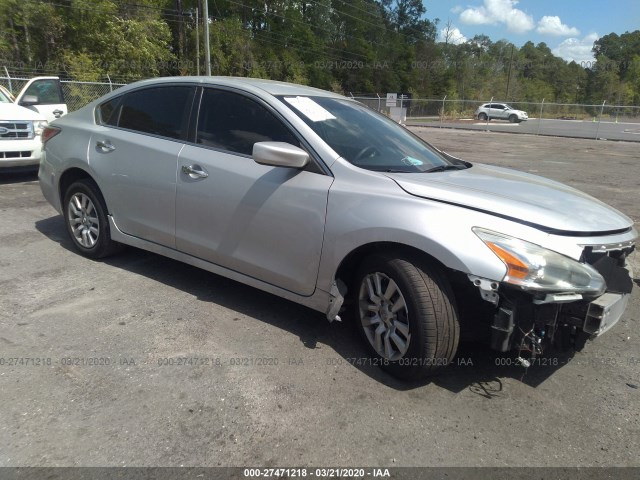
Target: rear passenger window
[160,111]
[233,122]
[109,112]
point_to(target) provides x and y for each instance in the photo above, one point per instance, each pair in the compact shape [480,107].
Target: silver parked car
[318,199]
[501,111]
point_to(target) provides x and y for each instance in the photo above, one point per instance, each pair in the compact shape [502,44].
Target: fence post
[8,78]
[442,114]
[540,116]
[600,119]
[377,95]
[110,85]
[487,125]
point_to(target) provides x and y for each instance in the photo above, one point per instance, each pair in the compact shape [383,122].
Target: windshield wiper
[442,168]
[389,170]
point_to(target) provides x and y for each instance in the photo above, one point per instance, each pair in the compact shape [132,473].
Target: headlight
[535,268]
[38,126]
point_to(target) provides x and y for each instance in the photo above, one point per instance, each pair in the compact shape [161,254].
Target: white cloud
[553,26]
[455,36]
[493,12]
[577,50]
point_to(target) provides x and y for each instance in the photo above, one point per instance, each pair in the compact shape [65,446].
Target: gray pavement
[142,361]
[629,132]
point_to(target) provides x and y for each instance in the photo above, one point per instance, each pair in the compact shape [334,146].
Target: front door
[265,222]
[48,95]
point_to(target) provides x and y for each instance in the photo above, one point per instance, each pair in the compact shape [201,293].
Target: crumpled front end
[544,300]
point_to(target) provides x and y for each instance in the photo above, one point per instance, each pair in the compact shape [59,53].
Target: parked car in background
[318,199]
[43,95]
[23,118]
[501,111]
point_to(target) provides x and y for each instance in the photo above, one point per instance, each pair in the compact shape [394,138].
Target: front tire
[86,220]
[513,118]
[406,315]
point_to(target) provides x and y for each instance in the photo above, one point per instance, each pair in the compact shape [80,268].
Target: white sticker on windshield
[309,109]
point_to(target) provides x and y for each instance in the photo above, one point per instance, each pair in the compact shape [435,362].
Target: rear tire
[405,313]
[482,116]
[86,220]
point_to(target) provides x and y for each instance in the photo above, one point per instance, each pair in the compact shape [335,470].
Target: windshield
[364,137]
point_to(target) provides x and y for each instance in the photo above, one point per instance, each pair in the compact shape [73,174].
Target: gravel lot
[104,392]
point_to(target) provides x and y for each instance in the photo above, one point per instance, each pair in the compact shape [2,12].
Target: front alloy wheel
[406,314]
[384,316]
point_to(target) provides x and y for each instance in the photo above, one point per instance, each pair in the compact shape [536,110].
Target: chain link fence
[614,122]
[76,94]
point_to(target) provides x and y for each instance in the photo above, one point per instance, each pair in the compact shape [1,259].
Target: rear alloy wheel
[513,118]
[406,315]
[482,116]
[86,220]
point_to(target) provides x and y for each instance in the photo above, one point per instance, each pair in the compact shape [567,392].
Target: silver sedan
[316,198]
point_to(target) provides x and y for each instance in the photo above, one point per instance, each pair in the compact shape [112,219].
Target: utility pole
[506,97]
[180,30]
[197,42]
[207,52]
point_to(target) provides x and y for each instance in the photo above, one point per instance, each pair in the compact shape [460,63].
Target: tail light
[48,133]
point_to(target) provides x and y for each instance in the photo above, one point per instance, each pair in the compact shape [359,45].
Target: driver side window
[232,122]
[47,91]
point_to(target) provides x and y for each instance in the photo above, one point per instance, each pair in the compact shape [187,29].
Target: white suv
[23,119]
[488,111]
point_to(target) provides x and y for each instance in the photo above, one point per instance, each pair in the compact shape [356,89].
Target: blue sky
[568,27]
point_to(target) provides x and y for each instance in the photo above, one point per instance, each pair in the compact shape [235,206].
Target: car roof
[269,86]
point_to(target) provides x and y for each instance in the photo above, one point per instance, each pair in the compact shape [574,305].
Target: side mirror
[279,154]
[29,100]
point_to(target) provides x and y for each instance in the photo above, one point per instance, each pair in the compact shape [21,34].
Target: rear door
[136,150]
[46,93]
[265,222]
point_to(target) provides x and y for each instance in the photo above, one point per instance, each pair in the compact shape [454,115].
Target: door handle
[105,145]
[57,113]
[194,171]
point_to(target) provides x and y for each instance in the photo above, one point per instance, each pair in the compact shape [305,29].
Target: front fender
[388,214]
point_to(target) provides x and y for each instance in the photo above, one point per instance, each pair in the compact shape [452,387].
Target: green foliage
[357,46]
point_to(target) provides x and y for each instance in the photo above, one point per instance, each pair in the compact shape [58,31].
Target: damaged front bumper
[530,321]
[604,312]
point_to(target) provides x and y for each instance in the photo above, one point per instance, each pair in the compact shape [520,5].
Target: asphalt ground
[139,360]
[629,132]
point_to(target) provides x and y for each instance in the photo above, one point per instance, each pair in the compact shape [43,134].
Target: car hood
[11,111]
[525,198]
